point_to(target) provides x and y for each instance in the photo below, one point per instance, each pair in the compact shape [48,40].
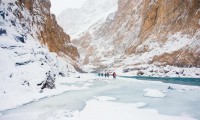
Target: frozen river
[119,99]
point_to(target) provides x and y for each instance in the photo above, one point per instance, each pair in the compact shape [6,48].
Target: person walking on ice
[114,75]
[105,74]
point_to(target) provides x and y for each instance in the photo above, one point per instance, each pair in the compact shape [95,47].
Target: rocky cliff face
[50,33]
[164,18]
[147,31]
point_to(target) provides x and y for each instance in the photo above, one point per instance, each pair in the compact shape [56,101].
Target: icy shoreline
[32,95]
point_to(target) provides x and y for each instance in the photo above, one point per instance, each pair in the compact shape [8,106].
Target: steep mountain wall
[147,31]
[50,32]
[164,18]
[34,50]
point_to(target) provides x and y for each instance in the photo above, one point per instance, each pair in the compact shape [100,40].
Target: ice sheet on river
[96,109]
[119,99]
[153,93]
[102,108]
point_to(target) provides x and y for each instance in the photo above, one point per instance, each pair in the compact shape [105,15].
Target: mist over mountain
[77,20]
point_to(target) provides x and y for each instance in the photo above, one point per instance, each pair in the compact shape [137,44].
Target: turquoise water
[174,80]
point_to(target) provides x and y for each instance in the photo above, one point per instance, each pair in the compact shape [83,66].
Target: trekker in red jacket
[114,75]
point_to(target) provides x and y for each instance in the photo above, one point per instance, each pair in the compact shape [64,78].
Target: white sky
[59,5]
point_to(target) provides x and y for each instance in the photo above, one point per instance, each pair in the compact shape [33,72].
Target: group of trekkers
[107,74]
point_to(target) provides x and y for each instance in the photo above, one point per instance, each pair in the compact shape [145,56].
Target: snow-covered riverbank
[159,71]
[16,96]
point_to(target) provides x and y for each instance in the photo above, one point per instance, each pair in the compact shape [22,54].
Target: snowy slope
[27,66]
[76,21]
